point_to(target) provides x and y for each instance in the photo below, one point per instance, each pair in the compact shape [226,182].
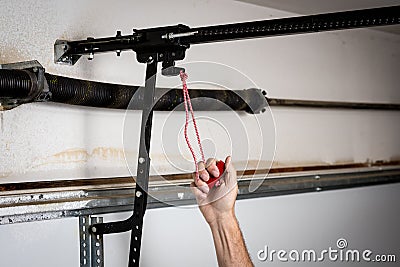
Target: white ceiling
[308,7]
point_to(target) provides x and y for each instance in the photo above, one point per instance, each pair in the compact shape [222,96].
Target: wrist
[223,220]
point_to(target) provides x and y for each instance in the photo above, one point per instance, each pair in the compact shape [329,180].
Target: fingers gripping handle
[221,168]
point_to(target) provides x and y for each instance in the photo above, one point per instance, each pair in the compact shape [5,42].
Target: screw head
[142,160]
[138,193]
[94,230]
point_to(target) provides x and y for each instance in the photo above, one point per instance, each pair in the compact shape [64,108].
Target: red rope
[188,106]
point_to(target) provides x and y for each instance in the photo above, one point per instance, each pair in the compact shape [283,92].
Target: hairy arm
[218,208]
[229,243]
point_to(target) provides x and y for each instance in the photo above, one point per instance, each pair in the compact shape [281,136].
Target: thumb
[230,172]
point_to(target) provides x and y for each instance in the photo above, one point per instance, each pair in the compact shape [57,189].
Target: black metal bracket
[143,169]
[135,222]
[159,44]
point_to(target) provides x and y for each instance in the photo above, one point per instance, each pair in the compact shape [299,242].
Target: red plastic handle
[221,167]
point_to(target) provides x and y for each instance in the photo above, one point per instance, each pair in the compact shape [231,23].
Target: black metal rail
[171,42]
[296,25]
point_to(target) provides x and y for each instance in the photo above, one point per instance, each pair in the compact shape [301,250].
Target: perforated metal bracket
[91,245]
[60,56]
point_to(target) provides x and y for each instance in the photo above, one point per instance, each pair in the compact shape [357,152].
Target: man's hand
[218,202]
[218,207]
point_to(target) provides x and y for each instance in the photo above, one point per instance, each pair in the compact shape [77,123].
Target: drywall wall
[50,141]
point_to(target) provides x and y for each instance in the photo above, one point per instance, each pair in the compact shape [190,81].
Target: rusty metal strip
[129,181]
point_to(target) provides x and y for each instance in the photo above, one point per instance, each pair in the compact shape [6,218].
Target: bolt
[161,55]
[91,56]
[118,53]
[173,54]
[94,230]
[264,93]
[263,110]
[317,177]
[118,33]
[318,189]
[141,160]
[150,59]
[138,194]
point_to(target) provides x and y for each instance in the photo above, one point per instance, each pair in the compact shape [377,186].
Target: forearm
[229,243]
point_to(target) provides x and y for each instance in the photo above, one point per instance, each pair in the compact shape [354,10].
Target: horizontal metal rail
[172,41]
[276,102]
[295,25]
[92,196]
